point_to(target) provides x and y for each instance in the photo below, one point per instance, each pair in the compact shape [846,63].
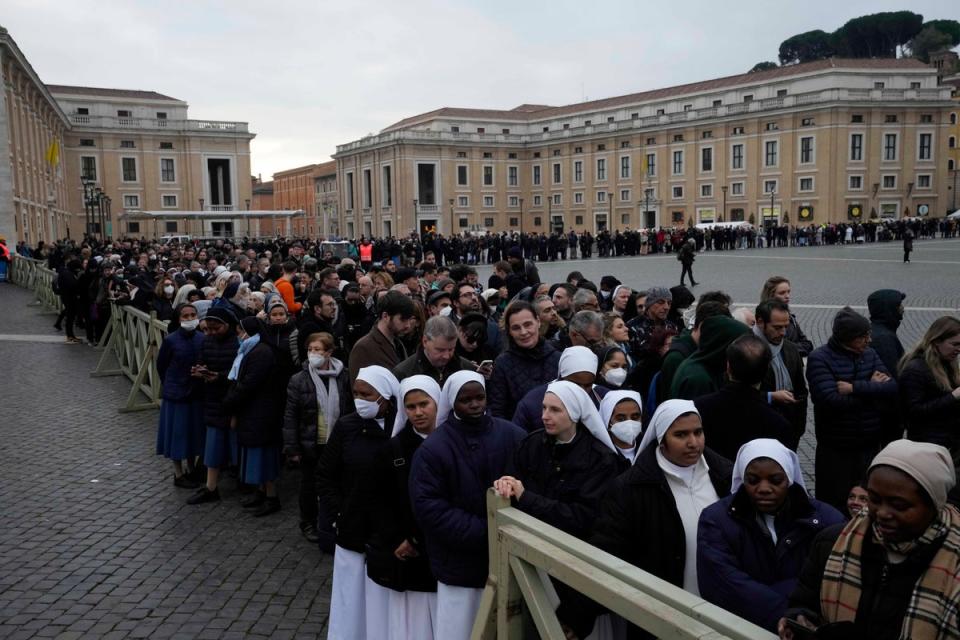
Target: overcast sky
[308,76]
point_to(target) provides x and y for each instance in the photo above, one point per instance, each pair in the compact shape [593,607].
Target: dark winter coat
[885,319]
[741,569]
[681,348]
[300,414]
[515,372]
[564,483]
[178,352]
[418,364]
[163,307]
[393,520]
[345,485]
[449,479]
[375,349]
[217,354]
[737,414]
[796,414]
[284,339]
[796,336]
[847,421]
[256,399]
[704,371]
[932,414]
[529,413]
[640,524]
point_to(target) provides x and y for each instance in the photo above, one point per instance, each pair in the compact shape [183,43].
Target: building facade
[326,203]
[827,141]
[33,191]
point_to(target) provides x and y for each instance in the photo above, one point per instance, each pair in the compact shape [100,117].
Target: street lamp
[610,208]
[772,193]
[416,220]
[451,216]
[723,216]
[521,219]
[550,208]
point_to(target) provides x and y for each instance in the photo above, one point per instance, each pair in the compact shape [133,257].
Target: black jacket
[737,414]
[393,520]
[564,483]
[515,372]
[256,399]
[885,319]
[418,364]
[218,355]
[300,414]
[639,523]
[932,414]
[796,414]
[796,336]
[345,484]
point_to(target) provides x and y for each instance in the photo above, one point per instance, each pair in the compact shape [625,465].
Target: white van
[176,239]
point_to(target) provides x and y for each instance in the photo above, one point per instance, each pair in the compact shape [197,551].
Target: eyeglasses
[468,294]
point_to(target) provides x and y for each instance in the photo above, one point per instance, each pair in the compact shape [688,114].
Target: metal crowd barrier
[515,595]
[34,275]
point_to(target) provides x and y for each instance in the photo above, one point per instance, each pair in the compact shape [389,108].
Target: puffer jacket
[283,338]
[451,473]
[178,352]
[847,421]
[515,372]
[218,355]
[739,566]
[933,414]
[300,414]
[885,319]
[704,371]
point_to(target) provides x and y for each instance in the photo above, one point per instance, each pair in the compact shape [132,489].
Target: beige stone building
[826,141]
[33,192]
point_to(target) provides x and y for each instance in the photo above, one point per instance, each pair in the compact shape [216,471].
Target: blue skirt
[180,434]
[221,448]
[259,464]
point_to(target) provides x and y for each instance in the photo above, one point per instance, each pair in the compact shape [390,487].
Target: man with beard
[356,318]
[382,346]
[784,383]
[562,295]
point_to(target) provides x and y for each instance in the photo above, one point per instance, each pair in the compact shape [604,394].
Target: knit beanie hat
[848,325]
[658,294]
[929,464]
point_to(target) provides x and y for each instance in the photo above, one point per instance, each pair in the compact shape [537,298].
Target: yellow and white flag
[53,153]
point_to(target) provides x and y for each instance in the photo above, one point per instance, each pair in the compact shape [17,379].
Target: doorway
[427,226]
[650,219]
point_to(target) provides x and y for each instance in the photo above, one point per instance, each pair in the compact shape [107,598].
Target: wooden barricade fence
[34,275]
[515,594]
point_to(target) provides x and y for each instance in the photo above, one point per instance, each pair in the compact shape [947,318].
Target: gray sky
[310,75]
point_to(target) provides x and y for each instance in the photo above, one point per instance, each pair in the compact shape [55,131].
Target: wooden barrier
[515,594]
[130,344]
[33,275]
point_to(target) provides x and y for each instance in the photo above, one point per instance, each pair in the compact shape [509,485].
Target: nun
[577,365]
[397,563]
[649,517]
[621,412]
[346,493]
[451,473]
[752,544]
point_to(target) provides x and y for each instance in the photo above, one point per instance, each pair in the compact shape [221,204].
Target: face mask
[367,409]
[445,312]
[190,325]
[627,430]
[168,290]
[605,294]
[316,360]
[616,376]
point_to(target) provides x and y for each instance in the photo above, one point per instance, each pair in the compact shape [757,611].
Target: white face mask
[317,360]
[168,289]
[445,312]
[367,409]
[627,430]
[190,325]
[616,377]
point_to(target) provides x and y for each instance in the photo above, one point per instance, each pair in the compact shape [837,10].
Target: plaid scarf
[934,606]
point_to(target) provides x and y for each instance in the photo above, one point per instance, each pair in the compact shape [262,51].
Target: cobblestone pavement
[95,541]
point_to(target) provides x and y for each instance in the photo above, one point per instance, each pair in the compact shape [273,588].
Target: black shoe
[184,482]
[58,327]
[204,495]
[270,505]
[253,501]
[198,474]
[309,532]
[693,284]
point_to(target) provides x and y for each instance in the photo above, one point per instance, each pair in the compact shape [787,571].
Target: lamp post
[247,201]
[415,218]
[88,190]
[200,218]
[106,216]
[451,216]
[520,200]
[953,197]
[723,216]
[610,209]
[772,193]
[550,208]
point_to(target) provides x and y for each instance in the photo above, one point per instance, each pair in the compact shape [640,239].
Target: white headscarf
[663,418]
[415,383]
[580,408]
[380,379]
[612,399]
[450,390]
[576,359]
[766,448]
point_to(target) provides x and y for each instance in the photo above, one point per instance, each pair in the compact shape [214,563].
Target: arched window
[952,142]
[949,165]
[953,118]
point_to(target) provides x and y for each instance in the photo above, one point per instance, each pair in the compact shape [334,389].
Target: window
[133,227]
[661,112]
[677,193]
[706,191]
[556,152]
[488,222]
[855,183]
[463,177]
[556,173]
[890,118]
[488,201]
[770,153]
[86,142]
[601,169]
[557,199]
[856,118]
[738,131]
[463,222]
[650,194]
[806,122]
[536,154]
[781,93]
[166,145]
[717,103]
[952,142]
[537,221]
[170,226]
[609,118]
[463,201]
[889,182]
[129,166]
[123,113]
[169,201]
[587,123]
[651,164]
[168,172]
[890,146]
[513,178]
[634,116]
[769,186]
[537,201]
[512,156]
[625,144]
[161,115]
[481,130]
[578,197]
[487,155]
[578,220]
[806,184]
[924,148]
[505,132]
[953,118]
[578,149]
[687,107]
[706,134]
[601,196]
[578,171]
[772,126]
[536,174]
[878,85]
[88,168]
[624,195]
[131,201]
[367,188]
[706,159]
[487,175]
[678,137]
[566,125]
[806,150]
[386,185]
[654,140]
[513,201]
[83,111]
[736,215]
[926,118]
[736,188]
[625,218]
[127,144]
[514,222]
[856,147]
[625,167]
[677,163]
[461,154]
[454,129]
[601,147]
[748,97]
[736,156]
[349,189]
[923,181]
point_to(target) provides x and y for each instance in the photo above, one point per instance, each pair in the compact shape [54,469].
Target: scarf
[328,397]
[244,349]
[935,602]
[780,372]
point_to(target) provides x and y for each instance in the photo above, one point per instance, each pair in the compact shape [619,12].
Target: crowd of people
[658,426]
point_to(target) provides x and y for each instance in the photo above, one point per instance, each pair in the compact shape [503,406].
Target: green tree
[806,47]
[763,66]
[877,35]
[935,36]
